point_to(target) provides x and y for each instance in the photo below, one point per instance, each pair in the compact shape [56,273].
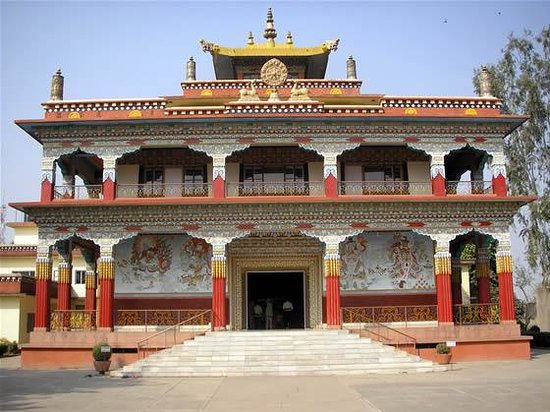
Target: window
[274,180]
[151,182]
[29,273]
[79,277]
[194,181]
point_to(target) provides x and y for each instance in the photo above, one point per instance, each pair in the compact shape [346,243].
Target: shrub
[7,347]
[100,355]
[442,348]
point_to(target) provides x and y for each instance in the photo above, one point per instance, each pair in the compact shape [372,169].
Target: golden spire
[270,33]
[289,38]
[250,38]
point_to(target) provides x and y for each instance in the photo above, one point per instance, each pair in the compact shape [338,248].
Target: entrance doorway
[275,300]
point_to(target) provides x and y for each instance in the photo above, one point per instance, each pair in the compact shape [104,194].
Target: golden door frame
[240,266]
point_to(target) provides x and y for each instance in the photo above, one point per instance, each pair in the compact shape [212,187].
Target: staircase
[284,352]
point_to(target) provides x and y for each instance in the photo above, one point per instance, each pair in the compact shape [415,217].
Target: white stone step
[285,352]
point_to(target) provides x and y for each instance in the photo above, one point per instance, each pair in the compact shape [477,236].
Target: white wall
[9,317]
[232,178]
[315,172]
[127,175]
[419,172]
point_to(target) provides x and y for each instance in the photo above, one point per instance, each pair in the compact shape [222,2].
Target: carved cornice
[233,220]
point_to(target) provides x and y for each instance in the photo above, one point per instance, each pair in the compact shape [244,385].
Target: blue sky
[117,49]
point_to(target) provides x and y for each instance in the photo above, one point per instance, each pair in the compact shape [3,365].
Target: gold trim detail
[219,267]
[332,267]
[43,269]
[134,113]
[74,115]
[411,111]
[64,272]
[207,92]
[274,72]
[106,268]
[470,112]
[504,262]
[442,265]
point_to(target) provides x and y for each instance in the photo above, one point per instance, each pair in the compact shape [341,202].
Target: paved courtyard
[477,386]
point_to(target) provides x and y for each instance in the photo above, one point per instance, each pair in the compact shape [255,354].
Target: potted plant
[101,353]
[443,353]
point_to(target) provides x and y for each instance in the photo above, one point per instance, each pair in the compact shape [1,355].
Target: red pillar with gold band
[505,285]
[442,261]
[332,277]
[47,182]
[219,274]
[106,273]
[483,280]
[109,177]
[90,281]
[42,294]
[64,276]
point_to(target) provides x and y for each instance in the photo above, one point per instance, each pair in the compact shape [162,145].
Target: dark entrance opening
[275,300]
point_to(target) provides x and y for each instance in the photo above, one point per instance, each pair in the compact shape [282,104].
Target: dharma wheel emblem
[274,72]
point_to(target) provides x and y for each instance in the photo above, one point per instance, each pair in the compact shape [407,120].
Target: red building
[272,183]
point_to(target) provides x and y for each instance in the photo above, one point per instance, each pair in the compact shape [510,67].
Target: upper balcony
[270,171]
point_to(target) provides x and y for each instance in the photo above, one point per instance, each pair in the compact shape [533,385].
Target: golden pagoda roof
[226,58]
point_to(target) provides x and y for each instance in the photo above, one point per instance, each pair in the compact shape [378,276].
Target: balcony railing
[387,314]
[159,317]
[385,188]
[78,192]
[476,187]
[163,190]
[275,189]
[476,314]
[74,320]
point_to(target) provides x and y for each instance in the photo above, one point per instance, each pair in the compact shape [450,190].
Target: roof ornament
[209,47]
[298,93]
[191,72]
[250,41]
[249,95]
[485,82]
[270,33]
[351,68]
[56,89]
[289,38]
[331,45]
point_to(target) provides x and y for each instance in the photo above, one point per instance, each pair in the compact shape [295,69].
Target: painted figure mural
[381,260]
[163,264]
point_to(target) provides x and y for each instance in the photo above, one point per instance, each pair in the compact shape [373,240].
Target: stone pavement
[477,386]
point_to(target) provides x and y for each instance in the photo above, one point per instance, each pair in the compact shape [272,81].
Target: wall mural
[387,260]
[162,264]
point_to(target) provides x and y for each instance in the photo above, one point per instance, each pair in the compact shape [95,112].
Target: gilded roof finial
[289,38]
[56,89]
[270,33]
[250,38]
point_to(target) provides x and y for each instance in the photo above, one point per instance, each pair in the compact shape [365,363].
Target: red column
[499,185]
[109,189]
[46,190]
[332,275]
[64,273]
[331,186]
[443,287]
[106,271]
[90,299]
[483,280]
[219,270]
[437,171]
[505,286]
[330,171]
[218,188]
[42,293]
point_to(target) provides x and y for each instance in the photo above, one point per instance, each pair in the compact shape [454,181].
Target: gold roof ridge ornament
[228,61]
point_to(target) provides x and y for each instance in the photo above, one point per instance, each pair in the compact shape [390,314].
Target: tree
[522,79]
